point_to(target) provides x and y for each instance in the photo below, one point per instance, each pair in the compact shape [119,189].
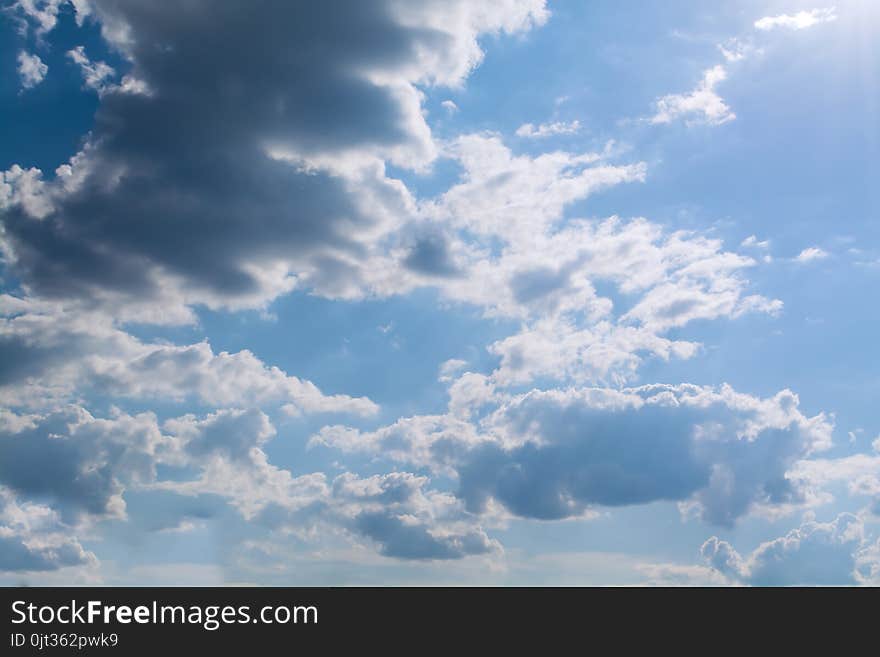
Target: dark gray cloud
[177,189]
[527,286]
[431,255]
[579,454]
[556,454]
[77,463]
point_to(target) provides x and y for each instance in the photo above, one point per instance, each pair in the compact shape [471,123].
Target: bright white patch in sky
[753,242]
[95,74]
[799,21]
[811,254]
[31,69]
[702,105]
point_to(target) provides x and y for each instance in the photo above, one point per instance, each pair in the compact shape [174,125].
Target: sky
[447,292]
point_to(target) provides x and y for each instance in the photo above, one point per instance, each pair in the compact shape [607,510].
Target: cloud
[736,49]
[816,553]
[43,14]
[31,69]
[79,462]
[394,511]
[603,352]
[556,454]
[235,158]
[516,196]
[752,242]
[811,254]
[799,21]
[233,184]
[702,105]
[449,368]
[405,521]
[670,574]
[548,279]
[95,74]
[85,465]
[860,473]
[22,188]
[449,106]
[32,538]
[530,131]
[52,356]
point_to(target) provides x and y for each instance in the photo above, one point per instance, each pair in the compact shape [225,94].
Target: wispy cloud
[811,254]
[531,131]
[799,21]
[702,105]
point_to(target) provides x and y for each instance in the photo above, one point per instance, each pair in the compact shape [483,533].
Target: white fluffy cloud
[811,254]
[96,75]
[33,538]
[798,21]
[395,511]
[89,463]
[43,14]
[31,69]
[816,553]
[560,453]
[53,356]
[702,105]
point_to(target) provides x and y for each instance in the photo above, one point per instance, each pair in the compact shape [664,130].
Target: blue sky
[439,293]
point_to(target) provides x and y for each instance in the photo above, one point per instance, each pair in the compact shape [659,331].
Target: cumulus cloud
[859,472]
[603,352]
[517,196]
[816,553]
[235,158]
[547,276]
[43,14]
[702,105]
[449,368]
[395,511]
[85,465]
[558,453]
[798,21]
[241,182]
[32,538]
[406,521]
[79,462]
[53,356]
[31,69]
[23,188]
